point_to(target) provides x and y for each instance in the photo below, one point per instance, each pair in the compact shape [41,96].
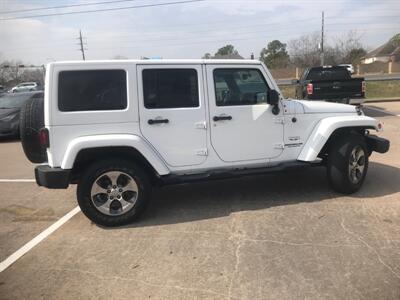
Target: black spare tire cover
[31,121]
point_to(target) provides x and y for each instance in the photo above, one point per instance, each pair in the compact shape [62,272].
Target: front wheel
[113,193]
[347,163]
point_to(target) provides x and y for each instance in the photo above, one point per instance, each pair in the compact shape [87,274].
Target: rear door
[172,112]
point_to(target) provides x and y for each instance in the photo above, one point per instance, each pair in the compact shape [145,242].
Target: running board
[225,174]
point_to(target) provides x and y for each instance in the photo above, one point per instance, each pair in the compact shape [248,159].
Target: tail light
[363,87]
[44,137]
[310,89]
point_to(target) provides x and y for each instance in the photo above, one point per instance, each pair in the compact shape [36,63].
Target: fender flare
[113,140]
[323,130]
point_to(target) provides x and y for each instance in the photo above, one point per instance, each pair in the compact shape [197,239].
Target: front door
[172,112]
[243,127]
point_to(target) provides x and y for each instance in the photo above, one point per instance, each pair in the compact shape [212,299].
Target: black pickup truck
[333,84]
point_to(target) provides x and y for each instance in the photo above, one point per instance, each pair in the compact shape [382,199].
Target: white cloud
[188,31]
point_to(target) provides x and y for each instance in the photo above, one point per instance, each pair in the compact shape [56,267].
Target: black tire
[338,164]
[30,123]
[98,169]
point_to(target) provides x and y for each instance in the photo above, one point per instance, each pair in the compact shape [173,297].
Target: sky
[185,30]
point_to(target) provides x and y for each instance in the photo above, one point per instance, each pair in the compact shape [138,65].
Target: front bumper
[377,144]
[53,178]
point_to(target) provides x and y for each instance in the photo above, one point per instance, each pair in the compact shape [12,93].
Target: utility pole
[81,44]
[322,41]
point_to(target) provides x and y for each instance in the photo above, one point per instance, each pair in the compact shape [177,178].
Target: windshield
[13,101]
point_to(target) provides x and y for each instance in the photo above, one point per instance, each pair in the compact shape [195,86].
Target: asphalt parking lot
[280,236]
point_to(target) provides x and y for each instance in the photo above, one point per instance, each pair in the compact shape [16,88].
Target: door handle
[221,118]
[157,121]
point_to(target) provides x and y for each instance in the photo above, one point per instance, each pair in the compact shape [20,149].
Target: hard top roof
[160,61]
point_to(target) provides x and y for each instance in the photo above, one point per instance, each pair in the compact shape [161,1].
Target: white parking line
[17,180]
[32,243]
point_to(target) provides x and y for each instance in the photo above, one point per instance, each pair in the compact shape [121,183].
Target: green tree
[275,55]
[207,56]
[227,50]
[354,56]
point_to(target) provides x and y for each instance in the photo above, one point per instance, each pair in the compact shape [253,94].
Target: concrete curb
[378,100]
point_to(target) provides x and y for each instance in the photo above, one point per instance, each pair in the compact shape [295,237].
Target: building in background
[389,51]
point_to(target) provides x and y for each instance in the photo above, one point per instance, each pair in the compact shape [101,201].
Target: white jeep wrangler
[118,127]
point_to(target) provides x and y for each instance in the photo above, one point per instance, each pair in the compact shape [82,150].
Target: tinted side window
[170,88]
[92,90]
[239,87]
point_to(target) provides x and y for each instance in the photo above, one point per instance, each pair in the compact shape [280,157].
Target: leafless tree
[348,47]
[14,71]
[304,51]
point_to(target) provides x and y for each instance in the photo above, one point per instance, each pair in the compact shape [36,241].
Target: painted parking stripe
[32,243]
[17,180]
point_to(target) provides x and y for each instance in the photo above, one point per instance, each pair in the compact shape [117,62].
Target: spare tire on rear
[31,121]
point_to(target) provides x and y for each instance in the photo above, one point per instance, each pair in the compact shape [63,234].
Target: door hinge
[202,152]
[201,125]
[280,120]
[279,146]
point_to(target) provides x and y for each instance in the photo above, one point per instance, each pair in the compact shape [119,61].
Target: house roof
[392,47]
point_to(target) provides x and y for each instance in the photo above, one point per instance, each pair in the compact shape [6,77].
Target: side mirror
[273,99]
[295,81]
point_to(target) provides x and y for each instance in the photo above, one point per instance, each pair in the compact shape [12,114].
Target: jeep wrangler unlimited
[115,128]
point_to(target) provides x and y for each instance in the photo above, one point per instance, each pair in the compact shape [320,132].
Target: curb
[377,100]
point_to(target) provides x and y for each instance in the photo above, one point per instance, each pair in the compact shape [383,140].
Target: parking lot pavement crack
[119,278]
[288,243]
[236,268]
[357,236]
[236,236]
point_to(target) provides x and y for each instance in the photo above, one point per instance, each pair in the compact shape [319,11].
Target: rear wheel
[347,163]
[113,193]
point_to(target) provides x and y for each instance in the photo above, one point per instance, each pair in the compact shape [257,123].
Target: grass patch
[288,91]
[383,89]
[374,89]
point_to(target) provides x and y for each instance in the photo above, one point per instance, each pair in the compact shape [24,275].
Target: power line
[159,40]
[63,6]
[101,10]
[166,36]
[184,42]
[185,25]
